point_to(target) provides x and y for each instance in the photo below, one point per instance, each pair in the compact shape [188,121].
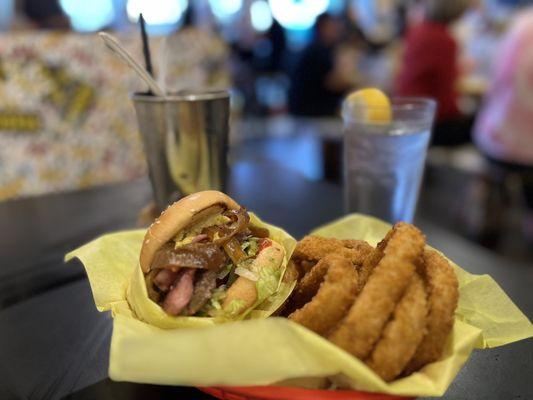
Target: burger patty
[203,289]
[193,255]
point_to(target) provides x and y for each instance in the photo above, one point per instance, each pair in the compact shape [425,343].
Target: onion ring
[403,333]
[291,273]
[307,287]
[312,249]
[442,300]
[372,260]
[333,298]
[361,328]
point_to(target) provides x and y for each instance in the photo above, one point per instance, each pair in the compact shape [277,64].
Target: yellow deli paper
[268,351]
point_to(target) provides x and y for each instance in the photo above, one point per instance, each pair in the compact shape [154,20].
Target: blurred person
[428,66]
[45,14]
[478,32]
[276,36]
[317,86]
[504,127]
[377,20]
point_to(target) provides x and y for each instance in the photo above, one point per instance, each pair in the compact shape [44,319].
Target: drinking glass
[384,162]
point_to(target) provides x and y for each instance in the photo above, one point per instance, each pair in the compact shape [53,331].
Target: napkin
[150,347]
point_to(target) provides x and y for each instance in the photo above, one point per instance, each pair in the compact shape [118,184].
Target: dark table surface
[55,343]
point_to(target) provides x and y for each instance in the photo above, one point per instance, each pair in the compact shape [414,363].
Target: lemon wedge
[370,105]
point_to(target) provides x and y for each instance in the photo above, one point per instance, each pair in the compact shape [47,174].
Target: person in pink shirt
[504,127]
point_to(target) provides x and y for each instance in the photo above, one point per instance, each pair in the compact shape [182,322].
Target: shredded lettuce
[182,239]
[187,235]
[254,248]
[268,282]
[246,264]
[225,270]
[214,305]
[250,246]
[219,293]
[246,273]
[234,308]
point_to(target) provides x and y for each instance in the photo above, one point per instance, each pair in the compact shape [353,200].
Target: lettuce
[185,236]
[250,246]
[234,308]
[225,270]
[268,282]
[214,305]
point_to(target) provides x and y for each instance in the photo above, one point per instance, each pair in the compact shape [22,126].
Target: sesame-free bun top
[181,214]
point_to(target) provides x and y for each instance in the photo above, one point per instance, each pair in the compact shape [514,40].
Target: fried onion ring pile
[391,306]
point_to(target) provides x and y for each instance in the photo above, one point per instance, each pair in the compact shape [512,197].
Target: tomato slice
[263,244]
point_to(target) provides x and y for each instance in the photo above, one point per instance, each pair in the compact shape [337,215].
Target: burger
[203,257]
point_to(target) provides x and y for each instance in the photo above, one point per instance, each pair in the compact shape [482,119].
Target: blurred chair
[495,197]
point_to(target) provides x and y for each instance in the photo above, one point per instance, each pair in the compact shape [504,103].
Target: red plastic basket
[292,393]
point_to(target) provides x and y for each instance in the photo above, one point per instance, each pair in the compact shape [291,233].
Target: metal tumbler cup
[185,139]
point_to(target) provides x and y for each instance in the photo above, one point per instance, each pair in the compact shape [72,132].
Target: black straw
[146,47]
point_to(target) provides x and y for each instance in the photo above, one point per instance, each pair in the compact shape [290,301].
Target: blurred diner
[317,86]
[429,66]
[503,130]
